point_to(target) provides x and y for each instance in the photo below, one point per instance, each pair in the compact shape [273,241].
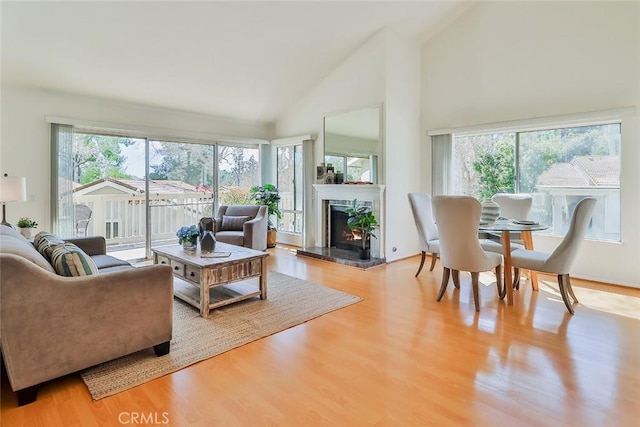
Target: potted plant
[188,237]
[25,225]
[267,195]
[362,222]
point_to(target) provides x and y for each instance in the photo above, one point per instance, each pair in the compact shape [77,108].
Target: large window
[139,191]
[559,167]
[289,182]
[181,186]
[238,171]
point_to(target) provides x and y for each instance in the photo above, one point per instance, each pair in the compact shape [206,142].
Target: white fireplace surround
[373,194]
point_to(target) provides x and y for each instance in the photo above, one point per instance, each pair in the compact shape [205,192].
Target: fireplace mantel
[363,193]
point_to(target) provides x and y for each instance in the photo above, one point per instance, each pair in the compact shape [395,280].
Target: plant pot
[271,238]
[364,253]
[26,232]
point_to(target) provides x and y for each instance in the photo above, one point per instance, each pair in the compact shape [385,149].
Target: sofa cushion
[240,210]
[18,245]
[107,261]
[69,260]
[44,243]
[233,223]
[231,237]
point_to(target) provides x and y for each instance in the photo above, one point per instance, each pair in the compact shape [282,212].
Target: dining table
[505,227]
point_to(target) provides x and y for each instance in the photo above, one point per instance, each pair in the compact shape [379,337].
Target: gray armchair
[240,225]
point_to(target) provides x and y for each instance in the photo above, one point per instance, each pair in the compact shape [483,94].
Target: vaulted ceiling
[241,60]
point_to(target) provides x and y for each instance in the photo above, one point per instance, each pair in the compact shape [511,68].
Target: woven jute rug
[290,301]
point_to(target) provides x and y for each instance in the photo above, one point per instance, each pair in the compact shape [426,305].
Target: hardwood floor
[397,358]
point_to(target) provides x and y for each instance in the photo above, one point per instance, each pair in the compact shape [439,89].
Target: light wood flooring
[397,358]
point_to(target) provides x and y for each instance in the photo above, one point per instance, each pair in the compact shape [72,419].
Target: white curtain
[62,179]
[441,167]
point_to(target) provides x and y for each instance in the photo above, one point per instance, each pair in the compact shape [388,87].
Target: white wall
[402,145]
[383,70]
[516,60]
[25,145]
[359,81]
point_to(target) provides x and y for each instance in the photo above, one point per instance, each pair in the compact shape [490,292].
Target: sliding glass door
[100,187]
[137,192]
[181,187]
[238,171]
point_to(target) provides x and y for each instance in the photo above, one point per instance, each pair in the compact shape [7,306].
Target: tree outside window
[558,167]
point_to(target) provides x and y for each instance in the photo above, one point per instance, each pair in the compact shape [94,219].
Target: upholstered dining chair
[514,206]
[458,218]
[562,258]
[426,227]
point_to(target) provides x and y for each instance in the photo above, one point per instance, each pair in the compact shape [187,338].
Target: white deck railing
[122,218]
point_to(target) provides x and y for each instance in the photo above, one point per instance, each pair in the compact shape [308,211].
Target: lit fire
[353,235]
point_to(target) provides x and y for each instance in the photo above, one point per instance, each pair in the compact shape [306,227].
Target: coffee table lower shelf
[218,295]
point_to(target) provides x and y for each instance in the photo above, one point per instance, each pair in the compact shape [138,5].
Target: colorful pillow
[233,223]
[69,260]
[44,243]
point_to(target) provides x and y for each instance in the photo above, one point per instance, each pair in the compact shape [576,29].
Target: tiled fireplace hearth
[338,197]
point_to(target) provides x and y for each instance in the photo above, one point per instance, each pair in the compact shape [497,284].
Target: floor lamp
[12,189]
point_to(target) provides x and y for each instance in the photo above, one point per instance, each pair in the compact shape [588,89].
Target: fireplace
[339,234]
[342,195]
[331,201]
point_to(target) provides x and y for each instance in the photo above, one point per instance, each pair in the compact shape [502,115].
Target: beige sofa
[52,325]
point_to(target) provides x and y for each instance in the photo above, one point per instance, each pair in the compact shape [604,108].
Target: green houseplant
[362,222]
[268,195]
[25,225]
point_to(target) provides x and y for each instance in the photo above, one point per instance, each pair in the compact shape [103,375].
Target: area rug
[290,301]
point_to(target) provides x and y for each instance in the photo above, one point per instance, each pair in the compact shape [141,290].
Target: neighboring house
[595,176]
[119,213]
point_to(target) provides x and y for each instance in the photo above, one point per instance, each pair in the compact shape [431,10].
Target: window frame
[614,116]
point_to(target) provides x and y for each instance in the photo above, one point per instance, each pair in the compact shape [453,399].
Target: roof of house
[583,171]
[138,186]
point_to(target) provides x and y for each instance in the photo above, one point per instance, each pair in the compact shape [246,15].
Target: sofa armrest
[52,325]
[91,245]
[217,224]
[255,231]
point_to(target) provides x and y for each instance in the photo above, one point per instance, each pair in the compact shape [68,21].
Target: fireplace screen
[340,235]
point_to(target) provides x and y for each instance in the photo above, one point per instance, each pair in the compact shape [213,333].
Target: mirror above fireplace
[352,144]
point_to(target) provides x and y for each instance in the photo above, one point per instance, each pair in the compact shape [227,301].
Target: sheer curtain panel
[62,179]
[441,155]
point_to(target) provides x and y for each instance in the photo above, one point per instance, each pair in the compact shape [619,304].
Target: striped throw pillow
[44,243]
[69,260]
[233,223]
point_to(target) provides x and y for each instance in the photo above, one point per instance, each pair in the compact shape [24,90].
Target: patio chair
[82,215]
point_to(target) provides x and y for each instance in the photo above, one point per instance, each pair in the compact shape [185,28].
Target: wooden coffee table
[207,283]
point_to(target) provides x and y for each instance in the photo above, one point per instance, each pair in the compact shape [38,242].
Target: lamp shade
[13,189]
